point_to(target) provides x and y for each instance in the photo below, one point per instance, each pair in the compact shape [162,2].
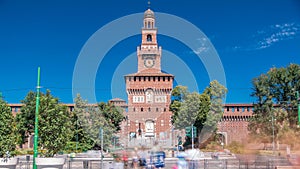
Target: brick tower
[149,90]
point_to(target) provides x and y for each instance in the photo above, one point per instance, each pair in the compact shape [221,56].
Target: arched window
[149,38]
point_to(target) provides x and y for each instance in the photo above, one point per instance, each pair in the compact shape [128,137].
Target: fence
[95,163]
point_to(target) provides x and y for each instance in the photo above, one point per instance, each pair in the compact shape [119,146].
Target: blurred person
[135,158]
[143,156]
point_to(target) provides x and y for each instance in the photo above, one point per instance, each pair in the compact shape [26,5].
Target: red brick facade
[149,90]
[234,123]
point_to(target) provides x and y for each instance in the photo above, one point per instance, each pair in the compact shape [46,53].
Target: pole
[101,137]
[76,133]
[273,133]
[127,133]
[298,102]
[114,142]
[192,137]
[222,134]
[35,149]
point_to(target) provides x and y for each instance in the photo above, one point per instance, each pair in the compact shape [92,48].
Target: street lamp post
[35,149]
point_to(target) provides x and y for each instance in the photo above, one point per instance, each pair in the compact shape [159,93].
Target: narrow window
[142,109]
[149,38]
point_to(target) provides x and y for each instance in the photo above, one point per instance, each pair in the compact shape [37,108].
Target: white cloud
[202,46]
[200,50]
[278,33]
[271,35]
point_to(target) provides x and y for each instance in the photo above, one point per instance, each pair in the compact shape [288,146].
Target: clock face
[149,62]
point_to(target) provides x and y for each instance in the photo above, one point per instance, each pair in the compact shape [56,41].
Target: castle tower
[149,90]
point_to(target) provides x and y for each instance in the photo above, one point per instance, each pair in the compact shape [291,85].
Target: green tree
[178,95]
[81,140]
[112,114]
[25,119]
[189,108]
[202,110]
[216,93]
[91,119]
[55,127]
[276,99]
[7,129]
[188,111]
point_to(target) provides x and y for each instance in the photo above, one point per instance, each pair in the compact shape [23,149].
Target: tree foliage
[54,129]
[202,110]
[217,93]
[81,141]
[91,118]
[7,129]
[112,114]
[275,92]
[178,96]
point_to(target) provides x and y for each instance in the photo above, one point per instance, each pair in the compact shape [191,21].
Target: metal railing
[95,163]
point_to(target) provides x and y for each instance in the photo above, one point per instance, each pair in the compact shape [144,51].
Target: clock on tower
[149,90]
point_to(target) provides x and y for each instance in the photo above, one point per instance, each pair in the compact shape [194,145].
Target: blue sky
[250,36]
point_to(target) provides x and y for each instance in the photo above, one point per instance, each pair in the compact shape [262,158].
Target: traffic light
[188,131]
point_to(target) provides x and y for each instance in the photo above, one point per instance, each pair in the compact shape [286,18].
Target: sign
[158,159]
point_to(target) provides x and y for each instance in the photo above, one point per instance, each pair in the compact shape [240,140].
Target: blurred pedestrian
[135,159]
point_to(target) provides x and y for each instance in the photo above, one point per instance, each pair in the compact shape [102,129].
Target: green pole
[35,148]
[298,102]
